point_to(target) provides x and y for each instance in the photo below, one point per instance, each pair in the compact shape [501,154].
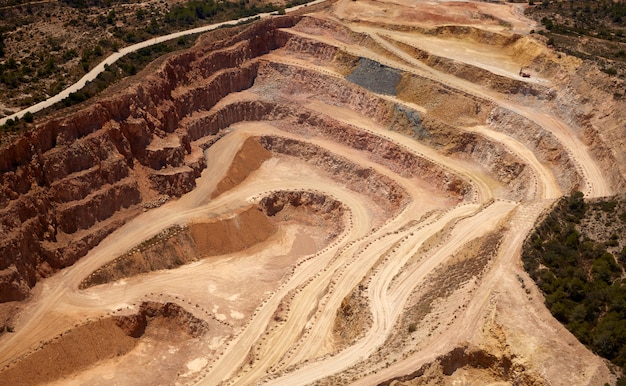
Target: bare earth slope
[385,161]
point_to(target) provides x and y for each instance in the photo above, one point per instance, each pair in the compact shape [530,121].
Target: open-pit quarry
[333,197]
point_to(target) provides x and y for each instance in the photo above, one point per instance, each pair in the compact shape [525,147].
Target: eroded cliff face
[68,184]
[72,181]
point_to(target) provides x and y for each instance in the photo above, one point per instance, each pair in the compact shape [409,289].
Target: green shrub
[28,117]
[581,281]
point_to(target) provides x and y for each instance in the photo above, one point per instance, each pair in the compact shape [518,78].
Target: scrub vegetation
[592,30]
[577,256]
[47,46]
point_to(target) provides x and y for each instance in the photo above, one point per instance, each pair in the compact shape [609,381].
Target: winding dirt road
[276,305]
[100,67]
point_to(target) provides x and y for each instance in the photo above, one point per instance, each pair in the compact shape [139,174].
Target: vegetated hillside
[594,30]
[47,46]
[577,256]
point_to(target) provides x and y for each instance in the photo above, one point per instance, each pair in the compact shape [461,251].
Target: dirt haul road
[440,172]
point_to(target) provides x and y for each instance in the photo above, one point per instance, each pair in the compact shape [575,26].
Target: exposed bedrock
[318,86]
[504,167]
[446,108]
[383,190]
[590,102]
[67,184]
[515,44]
[475,74]
[375,77]
[396,158]
[518,46]
[544,144]
[302,121]
[486,366]
[444,105]
[317,203]
[586,96]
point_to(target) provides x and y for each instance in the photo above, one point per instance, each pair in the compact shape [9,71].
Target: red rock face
[71,182]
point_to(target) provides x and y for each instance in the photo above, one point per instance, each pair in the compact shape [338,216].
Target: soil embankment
[248,159]
[181,245]
[94,341]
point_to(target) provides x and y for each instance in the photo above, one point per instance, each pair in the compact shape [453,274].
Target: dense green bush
[581,280]
[1,45]
[127,66]
[602,18]
[29,117]
[293,3]
[187,14]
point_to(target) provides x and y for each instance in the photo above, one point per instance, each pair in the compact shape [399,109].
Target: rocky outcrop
[383,190]
[166,313]
[491,367]
[67,184]
[544,144]
[317,203]
[306,208]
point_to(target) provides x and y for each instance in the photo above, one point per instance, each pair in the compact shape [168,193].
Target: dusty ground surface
[399,194]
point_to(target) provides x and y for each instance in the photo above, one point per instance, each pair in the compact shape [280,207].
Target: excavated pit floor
[359,220]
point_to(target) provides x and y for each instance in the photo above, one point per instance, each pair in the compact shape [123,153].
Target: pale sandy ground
[244,289]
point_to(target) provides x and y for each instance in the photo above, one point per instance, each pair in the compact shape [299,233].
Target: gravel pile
[375,77]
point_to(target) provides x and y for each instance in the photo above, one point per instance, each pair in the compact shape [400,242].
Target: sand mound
[96,341]
[177,246]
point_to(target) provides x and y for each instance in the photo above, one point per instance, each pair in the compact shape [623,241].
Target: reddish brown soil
[96,341]
[235,234]
[248,159]
[74,351]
